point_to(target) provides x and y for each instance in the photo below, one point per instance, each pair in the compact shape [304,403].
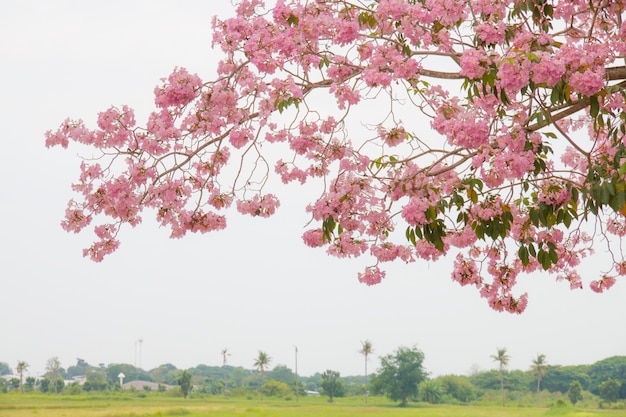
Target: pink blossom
[106,245]
[314,238]
[427,251]
[548,70]
[345,95]
[202,222]
[239,137]
[603,284]
[514,74]
[491,34]
[575,282]
[387,252]
[262,206]
[372,276]
[289,172]
[347,32]
[394,136]
[466,272]
[466,157]
[588,82]
[179,89]
[346,246]
[220,200]
[75,219]
[415,212]
[474,63]
[448,12]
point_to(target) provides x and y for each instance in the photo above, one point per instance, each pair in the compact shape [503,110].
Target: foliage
[508,151]
[559,378]
[73,389]
[81,368]
[14,383]
[131,372]
[400,374]
[53,372]
[486,380]
[44,385]
[609,390]
[5,369]
[575,392]
[609,368]
[282,373]
[276,388]
[332,385]
[30,383]
[431,391]
[458,387]
[166,374]
[184,381]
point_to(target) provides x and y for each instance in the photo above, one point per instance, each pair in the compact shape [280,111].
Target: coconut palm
[503,359]
[539,369]
[21,368]
[261,362]
[224,355]
[366,350]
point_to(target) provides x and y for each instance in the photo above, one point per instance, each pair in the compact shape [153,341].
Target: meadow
[36,405]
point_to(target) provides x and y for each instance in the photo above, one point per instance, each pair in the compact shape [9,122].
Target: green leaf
[554,256]
[410,235]
[594,106]
[324,62]
[293,20]
[522,253]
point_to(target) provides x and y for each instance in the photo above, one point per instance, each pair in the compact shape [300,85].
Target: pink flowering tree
[491,131]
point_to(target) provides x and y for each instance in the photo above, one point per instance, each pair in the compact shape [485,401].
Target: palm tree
[260,363]
[502,358]
[366,350]
[21,368]
[539,369]
[224,355]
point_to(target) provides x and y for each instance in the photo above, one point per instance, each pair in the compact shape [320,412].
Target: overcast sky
[252,287]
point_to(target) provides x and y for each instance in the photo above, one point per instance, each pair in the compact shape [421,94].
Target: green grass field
[158,406]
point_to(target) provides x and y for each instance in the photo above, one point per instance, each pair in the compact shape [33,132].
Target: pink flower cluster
[474,63]
[466,272]
[179,90]
[603,284]
[262,206]
[457,161]
[372,276]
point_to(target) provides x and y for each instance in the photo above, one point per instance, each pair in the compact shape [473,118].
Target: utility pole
[138,363]
[297,388]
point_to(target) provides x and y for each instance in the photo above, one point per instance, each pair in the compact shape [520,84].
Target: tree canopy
[184,381]
[400,374]
[490,131]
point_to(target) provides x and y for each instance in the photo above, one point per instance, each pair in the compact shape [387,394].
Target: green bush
[275,388]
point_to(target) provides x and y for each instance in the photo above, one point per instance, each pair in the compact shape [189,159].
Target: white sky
[254,286]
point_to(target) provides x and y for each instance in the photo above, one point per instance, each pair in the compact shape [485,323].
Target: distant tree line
[400,377]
